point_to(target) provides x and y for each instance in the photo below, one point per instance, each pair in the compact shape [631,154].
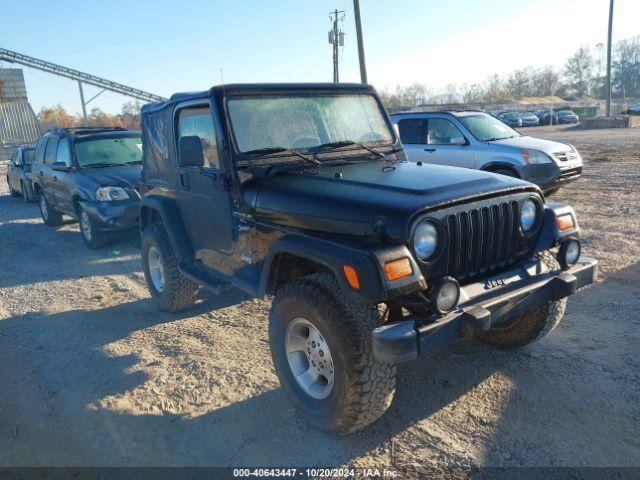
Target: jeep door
[203,196]
[436,140]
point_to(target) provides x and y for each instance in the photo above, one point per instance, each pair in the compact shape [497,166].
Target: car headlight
[111,194]
[535,157]
[425,239]
[528,215]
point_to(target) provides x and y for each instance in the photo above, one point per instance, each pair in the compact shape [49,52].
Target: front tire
[90,235]
[321,350]
[531,325]
[25,192]
[50,216]
[170,289]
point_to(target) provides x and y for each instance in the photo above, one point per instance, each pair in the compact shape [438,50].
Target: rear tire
[90,235]
[170,289]
[349,388]
[12,192]
[531,325]
[50,216]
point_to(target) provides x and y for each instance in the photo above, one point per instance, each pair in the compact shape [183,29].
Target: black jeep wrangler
[303,192]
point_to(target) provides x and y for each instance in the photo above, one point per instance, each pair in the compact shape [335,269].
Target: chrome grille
[482,240]
[565,156]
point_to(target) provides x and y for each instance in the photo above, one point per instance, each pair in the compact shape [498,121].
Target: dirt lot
[92,374]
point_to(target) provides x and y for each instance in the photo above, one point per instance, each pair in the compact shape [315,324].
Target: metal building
[18,123]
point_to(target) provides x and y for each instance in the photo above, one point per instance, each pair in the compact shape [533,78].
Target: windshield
[485,127]
[110,151]
[28,157]
[306,121]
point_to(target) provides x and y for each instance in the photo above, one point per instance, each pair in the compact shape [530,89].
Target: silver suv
[473,139]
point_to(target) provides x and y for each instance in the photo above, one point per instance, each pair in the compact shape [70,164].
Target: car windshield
[485,127]
[305,121]
[111,151]
[510,116]
[565,112]
[28,157]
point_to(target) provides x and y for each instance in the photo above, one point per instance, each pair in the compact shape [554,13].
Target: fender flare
[328,254]
[549,235]
[169,213]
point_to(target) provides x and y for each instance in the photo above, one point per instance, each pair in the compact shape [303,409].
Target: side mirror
[460,141]
[191,154]
[60,167]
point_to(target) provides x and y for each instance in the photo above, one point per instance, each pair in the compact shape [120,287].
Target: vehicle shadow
[14,208]
[24,252]
[66,353]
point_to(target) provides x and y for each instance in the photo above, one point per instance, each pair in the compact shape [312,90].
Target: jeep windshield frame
[320,123]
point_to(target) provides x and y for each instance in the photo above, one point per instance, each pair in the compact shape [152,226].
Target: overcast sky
[165,47]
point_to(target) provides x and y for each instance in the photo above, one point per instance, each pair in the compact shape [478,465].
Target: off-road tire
[363,386]
[179,292]
[92,239]
[12,192]
[531,325]
[50,216]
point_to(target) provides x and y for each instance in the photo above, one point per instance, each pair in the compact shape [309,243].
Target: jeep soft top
[303,192]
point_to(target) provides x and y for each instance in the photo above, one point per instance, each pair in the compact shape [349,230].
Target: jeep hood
[126,176]
[349,199]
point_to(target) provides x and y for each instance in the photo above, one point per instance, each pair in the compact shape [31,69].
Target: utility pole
[609,58]
[363,67]
[336,38]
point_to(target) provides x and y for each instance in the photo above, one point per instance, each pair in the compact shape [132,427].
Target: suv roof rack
[85,130]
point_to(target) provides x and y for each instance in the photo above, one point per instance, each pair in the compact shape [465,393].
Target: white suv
[473,139]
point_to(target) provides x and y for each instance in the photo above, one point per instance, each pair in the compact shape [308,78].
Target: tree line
[57,116]
[584,74]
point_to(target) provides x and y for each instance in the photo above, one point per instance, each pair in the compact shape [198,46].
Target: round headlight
[425,240]
[445,295]
[528,215]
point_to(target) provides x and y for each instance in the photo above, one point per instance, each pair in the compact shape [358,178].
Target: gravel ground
[92,374]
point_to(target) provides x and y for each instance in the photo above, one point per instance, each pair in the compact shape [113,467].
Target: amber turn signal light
[352,276]
[398,269]
[565,222]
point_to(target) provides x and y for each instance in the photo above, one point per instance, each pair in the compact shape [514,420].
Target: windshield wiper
[268,150]
[99,165]
[132,162]
[346,143]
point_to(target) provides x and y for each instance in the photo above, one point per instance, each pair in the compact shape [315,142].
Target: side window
[50,150]
[198,122]
[443,132]
[413,130]
[64,152]
[14,158]
[39,158]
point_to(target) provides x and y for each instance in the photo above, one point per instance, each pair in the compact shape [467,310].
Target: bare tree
[579,71]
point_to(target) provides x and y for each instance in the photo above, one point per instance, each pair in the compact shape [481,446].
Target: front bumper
[113,216]
[549,175]
[482,305]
